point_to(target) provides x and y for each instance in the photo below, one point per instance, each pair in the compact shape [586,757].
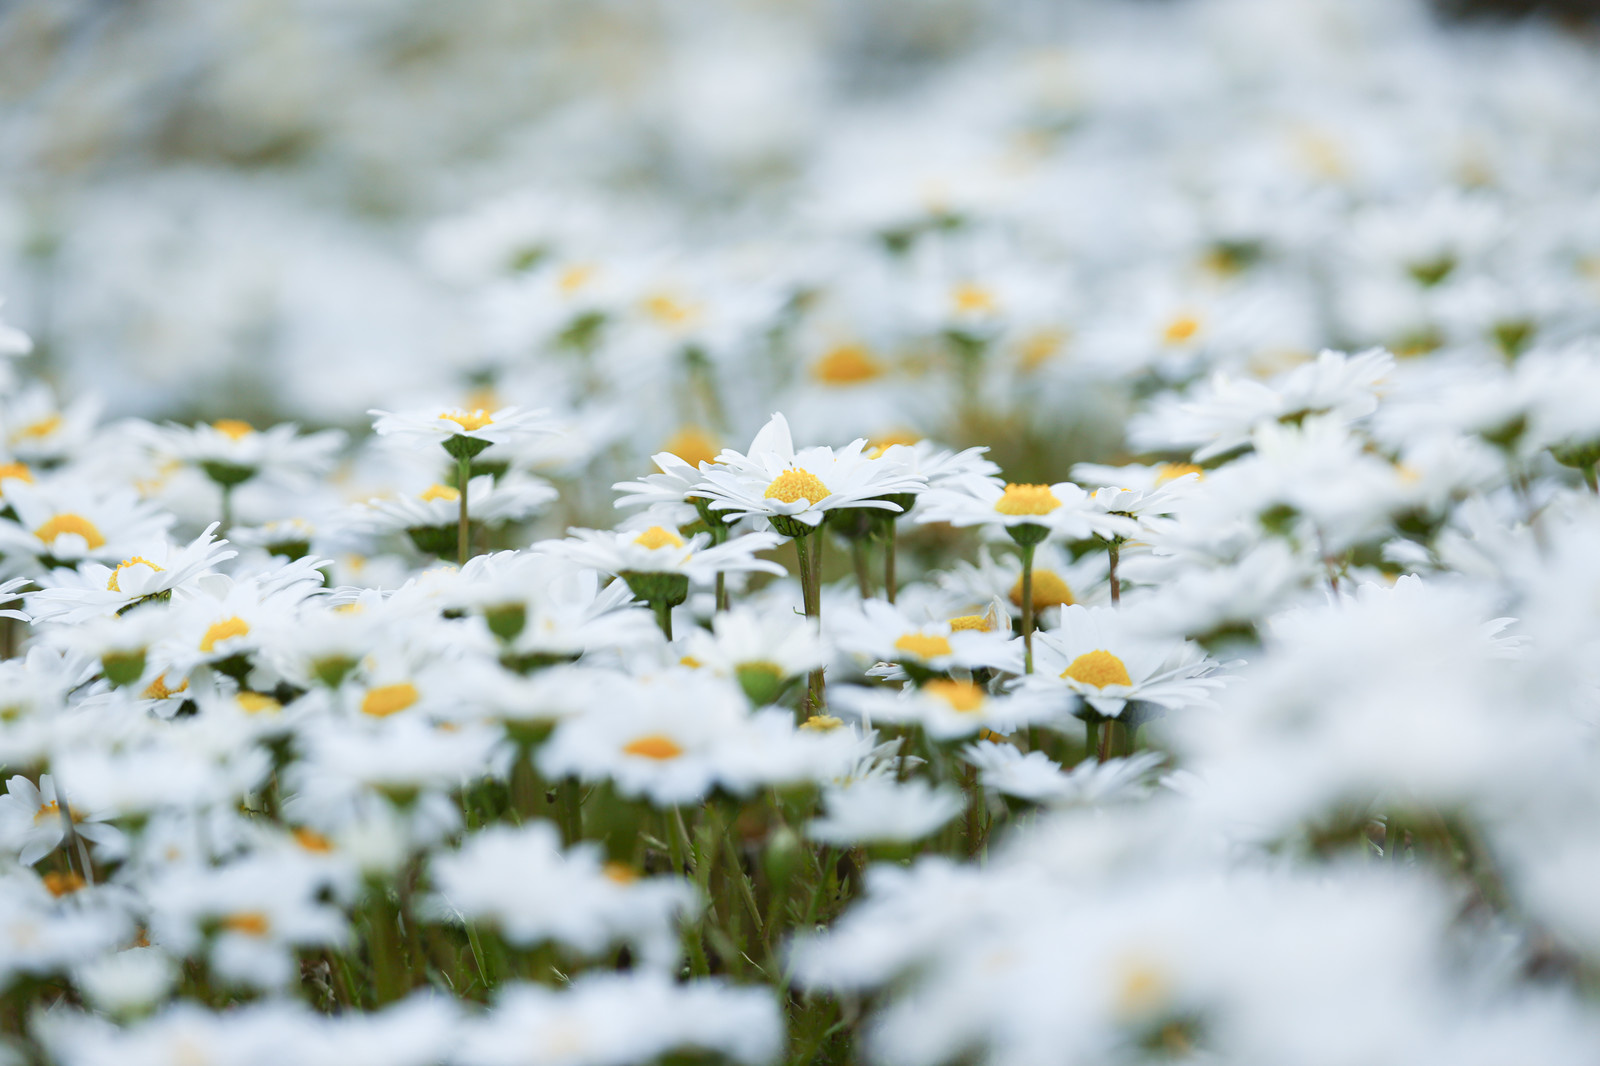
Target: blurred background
[274,208]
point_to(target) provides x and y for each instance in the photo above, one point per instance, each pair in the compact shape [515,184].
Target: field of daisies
[898,535]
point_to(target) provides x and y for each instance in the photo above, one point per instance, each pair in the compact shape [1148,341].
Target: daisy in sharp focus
[460,432]
[155,568]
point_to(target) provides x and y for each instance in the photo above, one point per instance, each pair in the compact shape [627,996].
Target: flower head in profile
[1062,511]
[461,433]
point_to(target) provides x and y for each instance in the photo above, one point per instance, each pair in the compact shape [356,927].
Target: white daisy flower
[33,823]
[1093,654]
[63,524]
[152,569]
[879,810]
[1062,511]
[763,650]
[463,434]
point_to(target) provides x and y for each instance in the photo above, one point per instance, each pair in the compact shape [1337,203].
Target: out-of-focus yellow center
[848,364]
[962,696]
[1181,329]
[233,428]
[469,420]
[796,484]
[1040,347]
[619,873]
[693,445]
[312,840]
[1027,499]
[257,703]
[575,277]
[223,630]
[19,471]
[669,311]
[1049,590]
[385,700]
[1098,668]
[439,492]
[1141,989]
[137,560]
[1172,471]
[971,621]
[879,445]
[158,690]
[969,298]
[691,662]
[38,429]
[47,812]
[821,723]
[658,537]
[656,746]
[63,884]
[923,645]
[250,923]
[71,523]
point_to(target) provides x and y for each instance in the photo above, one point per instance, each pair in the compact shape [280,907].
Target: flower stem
[463,545]
[888,558]
[858,556]
[1027,605]
[1114,551]
[663,611]
[1590,478]
[719,535]
[808,551]
[227,510]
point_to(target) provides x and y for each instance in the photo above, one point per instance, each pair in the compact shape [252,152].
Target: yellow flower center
[439,492]
[962,696]
[970,621]
[47,812]
[233,428]
[312,840]
[137,560]
[1098,668]
[19,471]
[250,923]
[469,420]
[257,703]
[1039,348]
[693,445]
[821,723]
[658,537]
[1141,988]
[574,278]
[39,429]
[657,746]
[158,690]
[923,645]
[691,662]
[970,298]
[796,484]
[63,884]
[223,630]
[1027,499]
[848,364]
[1049,590]
[388,699]
[71,523]
[668,311]
[1172,471]
[877,447]
[619,873]
[1181,329]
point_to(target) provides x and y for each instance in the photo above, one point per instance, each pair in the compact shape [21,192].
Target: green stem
[1115,550]
[663,611]
[1091,736]
[888,558]
[1027,605]
[858,556]
[1104,751]
[808,551]
[463,544]
[227,510]
[571,811]
[678,844]
[722,591]
[1590,478]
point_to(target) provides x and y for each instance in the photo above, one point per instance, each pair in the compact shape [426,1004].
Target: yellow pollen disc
[1181,329]
[962,696]
[312,840]
[257,703]
[439,492]
[991,736]
[822,723]
[1049,590]
[658,537]
[1141,988]
[693,445]
[1408,475]
[388,699]
[620,873]
[233,428]
[469,420]
[1039,348]
[19,471]
[220,631]
[670,312]
[882,444]
[49,811]
[969,298]
[1172,471]
[923,646]
[653,746]
[691,662]
[158,690]
[137,560]
[796,484]
[71,523]
[848,364]
[1027,499]
[63,884]
[250,923]
[39,430]
[970,621]
[1098,668]
[574,278]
